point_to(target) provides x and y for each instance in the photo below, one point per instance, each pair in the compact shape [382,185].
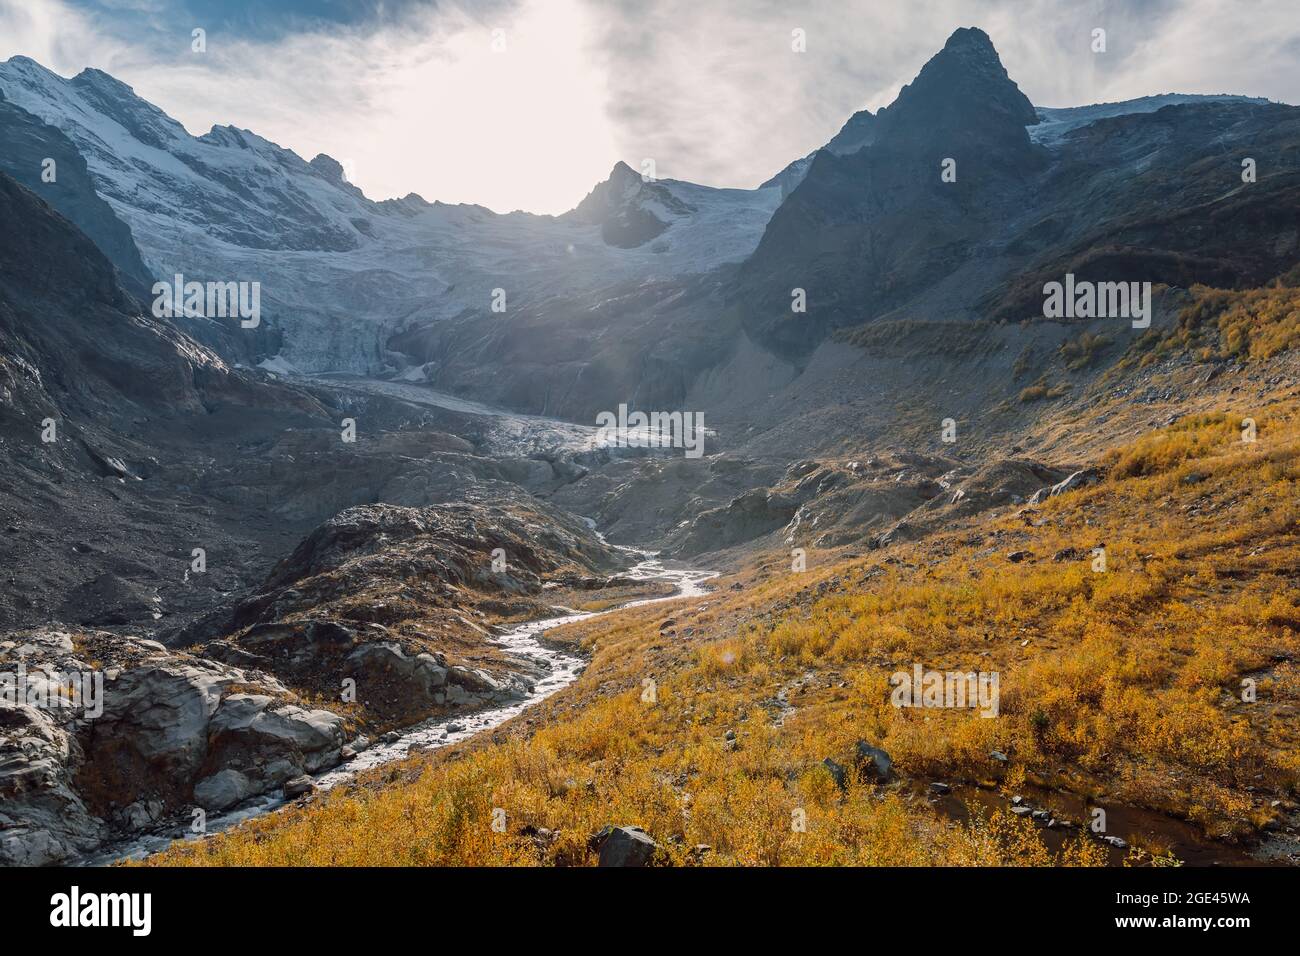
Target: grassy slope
[1123,686]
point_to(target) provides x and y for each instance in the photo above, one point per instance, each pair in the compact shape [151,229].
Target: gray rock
[872,762]
[298,786]
[42,817]
[171,734]
[1080,479]
[222,790]
[624,846]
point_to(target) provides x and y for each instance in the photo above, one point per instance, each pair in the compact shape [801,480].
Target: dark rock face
[858,131]
[866,230]
[878,233]
[27,143]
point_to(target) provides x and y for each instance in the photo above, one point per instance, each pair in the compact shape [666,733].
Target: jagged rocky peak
[621,186]
[31,73]
[329,167]
[629,208]
[962,90]
[91,77]
[412,204]
[332,170]
[858,131]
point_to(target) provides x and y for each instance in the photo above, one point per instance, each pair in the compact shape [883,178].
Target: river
[438,732]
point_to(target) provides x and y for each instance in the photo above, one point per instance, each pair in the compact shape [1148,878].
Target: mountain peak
[25,64]
[93,77]
[963,87]
[329,167]
[622,173]
[629,209]
[970,38]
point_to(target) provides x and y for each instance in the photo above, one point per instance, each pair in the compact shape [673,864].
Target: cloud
[433,106]
[713,91]
[411,96]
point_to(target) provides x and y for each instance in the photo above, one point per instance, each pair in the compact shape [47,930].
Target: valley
[390,576]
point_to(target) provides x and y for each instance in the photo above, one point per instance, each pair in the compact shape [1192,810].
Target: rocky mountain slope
[1142,619]
[147,481]
[880,233]
[36,152]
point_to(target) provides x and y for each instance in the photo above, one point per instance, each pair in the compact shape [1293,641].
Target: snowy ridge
[1056,123]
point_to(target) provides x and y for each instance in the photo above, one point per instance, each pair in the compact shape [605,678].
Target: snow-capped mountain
[340,273]
[398,286]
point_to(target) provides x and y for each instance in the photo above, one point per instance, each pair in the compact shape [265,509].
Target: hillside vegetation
[1146,632]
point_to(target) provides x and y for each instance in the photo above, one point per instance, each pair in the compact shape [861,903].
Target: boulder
[872,762]
[1079,479]
[623,846]
[223,790]
[174,730]
[298,786]
[43,819]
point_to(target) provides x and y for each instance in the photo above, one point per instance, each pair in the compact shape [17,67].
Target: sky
[527,104]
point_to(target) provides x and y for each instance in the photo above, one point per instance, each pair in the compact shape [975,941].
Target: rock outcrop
[161,731]
[392,608]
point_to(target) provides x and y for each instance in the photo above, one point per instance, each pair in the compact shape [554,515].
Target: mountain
[147,480]
[105,412]
[923,466]
[697,281]
[339,273]
[880,233]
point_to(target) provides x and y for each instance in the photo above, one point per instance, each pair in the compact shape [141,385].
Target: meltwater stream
[437,732]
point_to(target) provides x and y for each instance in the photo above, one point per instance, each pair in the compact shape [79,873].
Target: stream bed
[523,640]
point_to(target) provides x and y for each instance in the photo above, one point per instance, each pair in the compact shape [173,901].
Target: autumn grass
[1246,325]
[1165,677]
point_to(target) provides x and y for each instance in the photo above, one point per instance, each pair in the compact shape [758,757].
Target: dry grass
[1125,685]
[1251,324]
